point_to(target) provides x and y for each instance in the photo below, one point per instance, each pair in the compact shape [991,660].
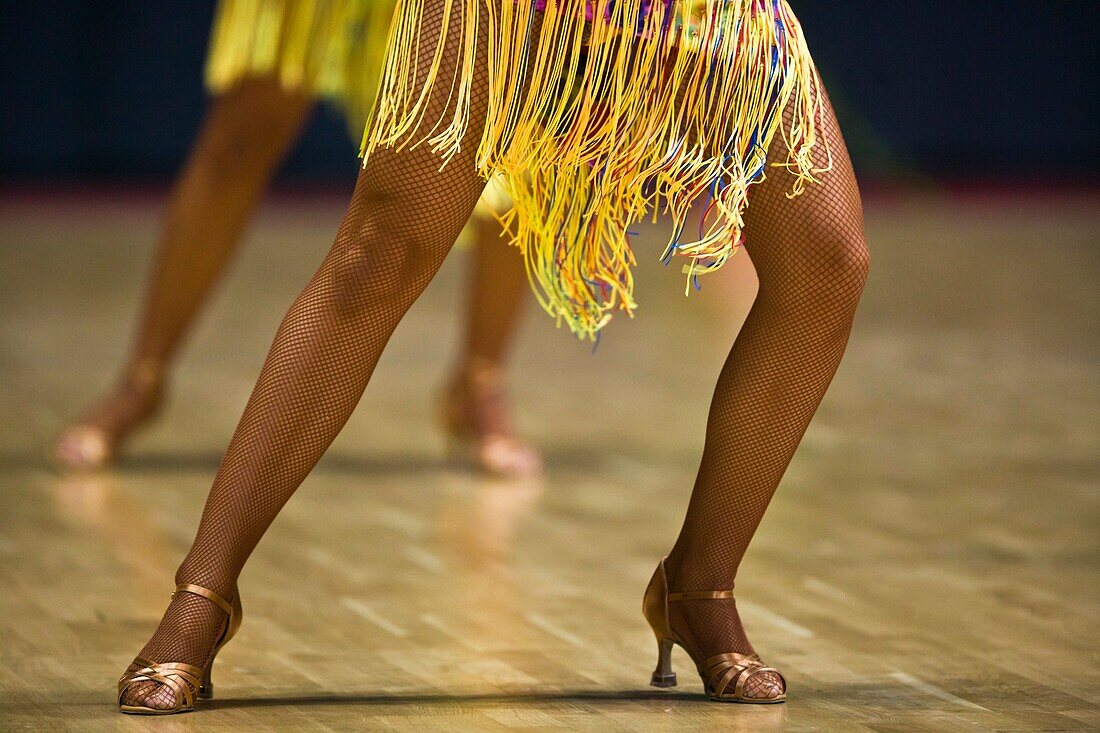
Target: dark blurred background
[986,89]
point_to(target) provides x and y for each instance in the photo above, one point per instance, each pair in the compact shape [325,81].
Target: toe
[504,456]
[148,694]
[82,447]
[764,686]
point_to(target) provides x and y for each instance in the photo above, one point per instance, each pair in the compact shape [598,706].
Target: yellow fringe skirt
[632,107]
[333,49]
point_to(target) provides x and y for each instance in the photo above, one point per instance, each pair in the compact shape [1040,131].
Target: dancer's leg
[403,218]
[811,259]
[245,134]
[476,409]
[498,289]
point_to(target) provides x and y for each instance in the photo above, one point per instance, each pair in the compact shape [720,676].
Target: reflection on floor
[929,564]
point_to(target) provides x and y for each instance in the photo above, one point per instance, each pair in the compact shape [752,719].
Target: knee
[365,267]
[378,260]
[235,160]
[845,262]
[826,277]
[250,132]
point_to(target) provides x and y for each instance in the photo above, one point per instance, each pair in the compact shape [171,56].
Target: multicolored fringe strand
[633,106]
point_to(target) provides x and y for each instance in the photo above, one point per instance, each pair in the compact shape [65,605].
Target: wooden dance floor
[930,562]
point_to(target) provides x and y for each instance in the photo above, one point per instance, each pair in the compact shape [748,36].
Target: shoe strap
[206,593]
[700,595]
[184,681]
[721,670]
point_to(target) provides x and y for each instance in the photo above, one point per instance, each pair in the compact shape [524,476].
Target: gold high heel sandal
[186,681]
[726,677]
[496,453]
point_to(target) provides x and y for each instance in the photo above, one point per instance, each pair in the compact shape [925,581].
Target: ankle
[475,376]
[145,377]
[711,626]
[476,401]
[190,574]
[672,571]
[685,575]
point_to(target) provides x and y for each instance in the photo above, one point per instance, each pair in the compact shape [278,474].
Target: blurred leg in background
[245,135]
[476,412]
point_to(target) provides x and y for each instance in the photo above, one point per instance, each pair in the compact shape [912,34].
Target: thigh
[412,171]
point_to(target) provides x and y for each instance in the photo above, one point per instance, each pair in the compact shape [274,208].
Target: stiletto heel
[725,676]
[663,676]
[185,681]
[206,691]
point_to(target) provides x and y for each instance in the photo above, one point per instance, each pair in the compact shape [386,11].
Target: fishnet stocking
[403,219]
[811,259]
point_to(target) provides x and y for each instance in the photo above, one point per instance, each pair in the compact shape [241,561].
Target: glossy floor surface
[930,563]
